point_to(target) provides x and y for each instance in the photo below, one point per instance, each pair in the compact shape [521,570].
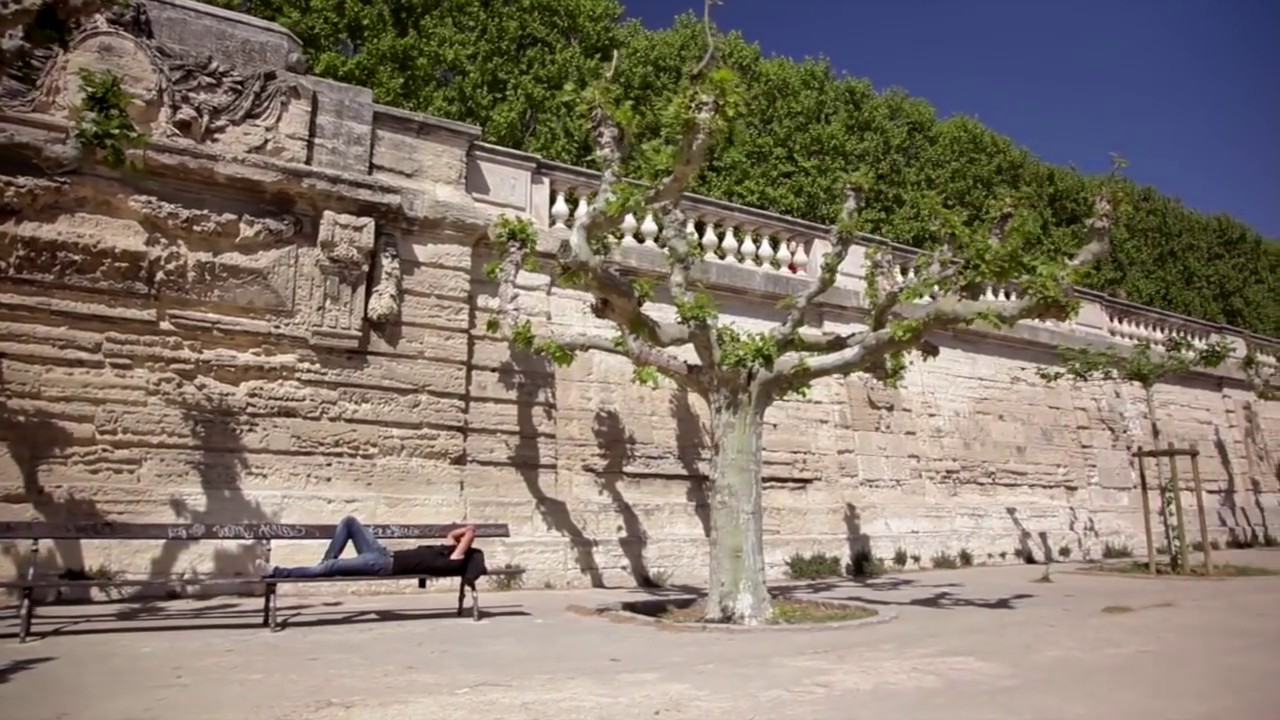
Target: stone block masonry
[199,340]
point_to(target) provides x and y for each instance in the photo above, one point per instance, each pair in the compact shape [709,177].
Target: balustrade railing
[905,261]
[746,237]
[722,231]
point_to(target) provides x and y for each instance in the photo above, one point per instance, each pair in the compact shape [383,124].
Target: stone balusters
[728,239]
[720,236]
[568,200]
[1132,327]
[1268,358]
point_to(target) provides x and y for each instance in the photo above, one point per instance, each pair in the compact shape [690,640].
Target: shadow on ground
[941,597]
[13,667]
[224,616]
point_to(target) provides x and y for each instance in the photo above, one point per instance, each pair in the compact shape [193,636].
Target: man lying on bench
[372,559]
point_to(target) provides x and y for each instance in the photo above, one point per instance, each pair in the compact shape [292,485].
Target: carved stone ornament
[177,97]
[346,240]
[387,292]
[345,244]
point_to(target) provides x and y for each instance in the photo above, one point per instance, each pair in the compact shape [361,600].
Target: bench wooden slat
[225,531]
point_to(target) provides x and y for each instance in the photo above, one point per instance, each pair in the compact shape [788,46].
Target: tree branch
[616,300]
[866,350]
[700,133]
[606,136]
[632,347]
[584,260]
[843,236]
[638,351]
[942,270]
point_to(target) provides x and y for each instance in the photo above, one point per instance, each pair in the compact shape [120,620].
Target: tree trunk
[737,592]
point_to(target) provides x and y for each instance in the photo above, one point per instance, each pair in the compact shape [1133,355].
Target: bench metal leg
[268,590]
[475,603]
[26,609]
[274,613]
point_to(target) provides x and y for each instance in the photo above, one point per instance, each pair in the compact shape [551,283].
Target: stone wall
[280,316]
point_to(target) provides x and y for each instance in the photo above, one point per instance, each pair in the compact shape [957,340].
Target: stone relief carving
[345,244]
[195,98]
[20,193]
[93,235]
[244,232]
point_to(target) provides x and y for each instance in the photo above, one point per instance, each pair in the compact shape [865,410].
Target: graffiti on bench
[238,531]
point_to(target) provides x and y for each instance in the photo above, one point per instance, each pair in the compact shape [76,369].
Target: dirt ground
[979,643]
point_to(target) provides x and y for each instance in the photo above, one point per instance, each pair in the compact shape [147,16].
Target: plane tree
[738,372]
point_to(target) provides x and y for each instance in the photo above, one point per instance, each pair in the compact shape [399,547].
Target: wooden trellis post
[1146,509]
[1204,525]
[1172,453]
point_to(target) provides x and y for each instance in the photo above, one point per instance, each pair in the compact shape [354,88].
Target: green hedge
[505,65]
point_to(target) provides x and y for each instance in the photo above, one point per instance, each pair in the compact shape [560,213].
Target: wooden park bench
[35,532]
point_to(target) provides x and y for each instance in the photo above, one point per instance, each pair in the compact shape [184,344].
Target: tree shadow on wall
[692,442]
[220,462]
[1255,445]
[859,542]
[1082,531]
[30,437]
[617,444]
[1228,500]
[524,375]
[1024,540]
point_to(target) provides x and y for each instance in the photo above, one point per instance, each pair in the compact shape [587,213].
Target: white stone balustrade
[722,234]
[904,270]
[1268,357]
[1134,327]
[746,237]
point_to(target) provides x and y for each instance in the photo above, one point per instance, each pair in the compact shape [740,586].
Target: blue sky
[1187,90]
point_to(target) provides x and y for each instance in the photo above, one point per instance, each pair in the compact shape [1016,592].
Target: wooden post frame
[1146,511]
[1173,453]
[1177,508]
[1204,525]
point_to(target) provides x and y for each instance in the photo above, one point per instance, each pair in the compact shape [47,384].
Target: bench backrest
[226,531]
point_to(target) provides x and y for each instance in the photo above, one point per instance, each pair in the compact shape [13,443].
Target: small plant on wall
[103,124]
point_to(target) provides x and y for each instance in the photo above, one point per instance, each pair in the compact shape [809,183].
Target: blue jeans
[371,557]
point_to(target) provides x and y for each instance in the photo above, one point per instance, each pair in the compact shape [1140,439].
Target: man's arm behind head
[461,537]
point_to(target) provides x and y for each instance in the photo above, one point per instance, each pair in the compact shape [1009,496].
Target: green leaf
[646,375]
[102,118]
[697,309]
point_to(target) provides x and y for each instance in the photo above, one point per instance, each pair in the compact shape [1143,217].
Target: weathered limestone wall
[973,451]
[280,317]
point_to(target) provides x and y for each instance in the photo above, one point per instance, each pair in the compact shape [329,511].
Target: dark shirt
[426,560]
